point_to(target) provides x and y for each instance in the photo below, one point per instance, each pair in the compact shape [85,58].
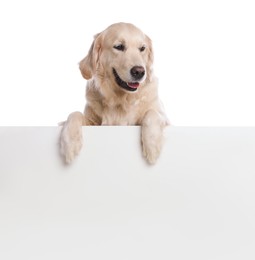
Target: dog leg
[71,136]
[152,135]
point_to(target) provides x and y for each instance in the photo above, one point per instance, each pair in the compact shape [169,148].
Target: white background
[204,57]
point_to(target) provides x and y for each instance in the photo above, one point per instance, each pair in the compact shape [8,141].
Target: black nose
[137,72]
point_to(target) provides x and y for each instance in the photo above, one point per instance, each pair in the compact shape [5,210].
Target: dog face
[121,54]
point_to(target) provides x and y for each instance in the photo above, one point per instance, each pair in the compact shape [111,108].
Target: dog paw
[151,144]
[70,142]
[151,152]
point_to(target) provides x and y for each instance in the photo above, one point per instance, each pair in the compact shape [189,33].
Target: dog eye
[142,48]
[119,47]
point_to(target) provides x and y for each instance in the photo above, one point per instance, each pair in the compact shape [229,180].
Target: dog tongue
[133,84]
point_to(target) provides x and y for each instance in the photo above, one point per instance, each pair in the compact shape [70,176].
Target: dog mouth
[129,86]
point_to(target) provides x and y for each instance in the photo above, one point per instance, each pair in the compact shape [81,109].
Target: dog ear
[149,66]
[90,63]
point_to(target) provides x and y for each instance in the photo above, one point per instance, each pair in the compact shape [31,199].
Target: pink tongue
[133,85]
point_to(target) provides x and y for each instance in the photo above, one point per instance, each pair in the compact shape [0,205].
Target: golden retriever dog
[121,90]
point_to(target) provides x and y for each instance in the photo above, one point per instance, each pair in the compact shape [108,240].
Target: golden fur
[121,47]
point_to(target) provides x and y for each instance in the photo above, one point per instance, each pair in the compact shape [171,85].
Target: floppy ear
[149,66]
[90,63]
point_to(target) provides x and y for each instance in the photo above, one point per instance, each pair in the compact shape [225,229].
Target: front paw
[70,141]
[151,145]
[151,152]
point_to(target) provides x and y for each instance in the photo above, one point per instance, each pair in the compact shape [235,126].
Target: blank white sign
[197,202]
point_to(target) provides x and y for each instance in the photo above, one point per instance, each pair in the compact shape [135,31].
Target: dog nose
[137,72]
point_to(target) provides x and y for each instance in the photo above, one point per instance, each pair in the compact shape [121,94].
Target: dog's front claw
[151,151]
[70,143]
[71,138]
[152,140]
[152,135]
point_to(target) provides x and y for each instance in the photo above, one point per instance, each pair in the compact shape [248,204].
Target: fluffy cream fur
[121,46]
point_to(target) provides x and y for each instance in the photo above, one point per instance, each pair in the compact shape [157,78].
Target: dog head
[121,54]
